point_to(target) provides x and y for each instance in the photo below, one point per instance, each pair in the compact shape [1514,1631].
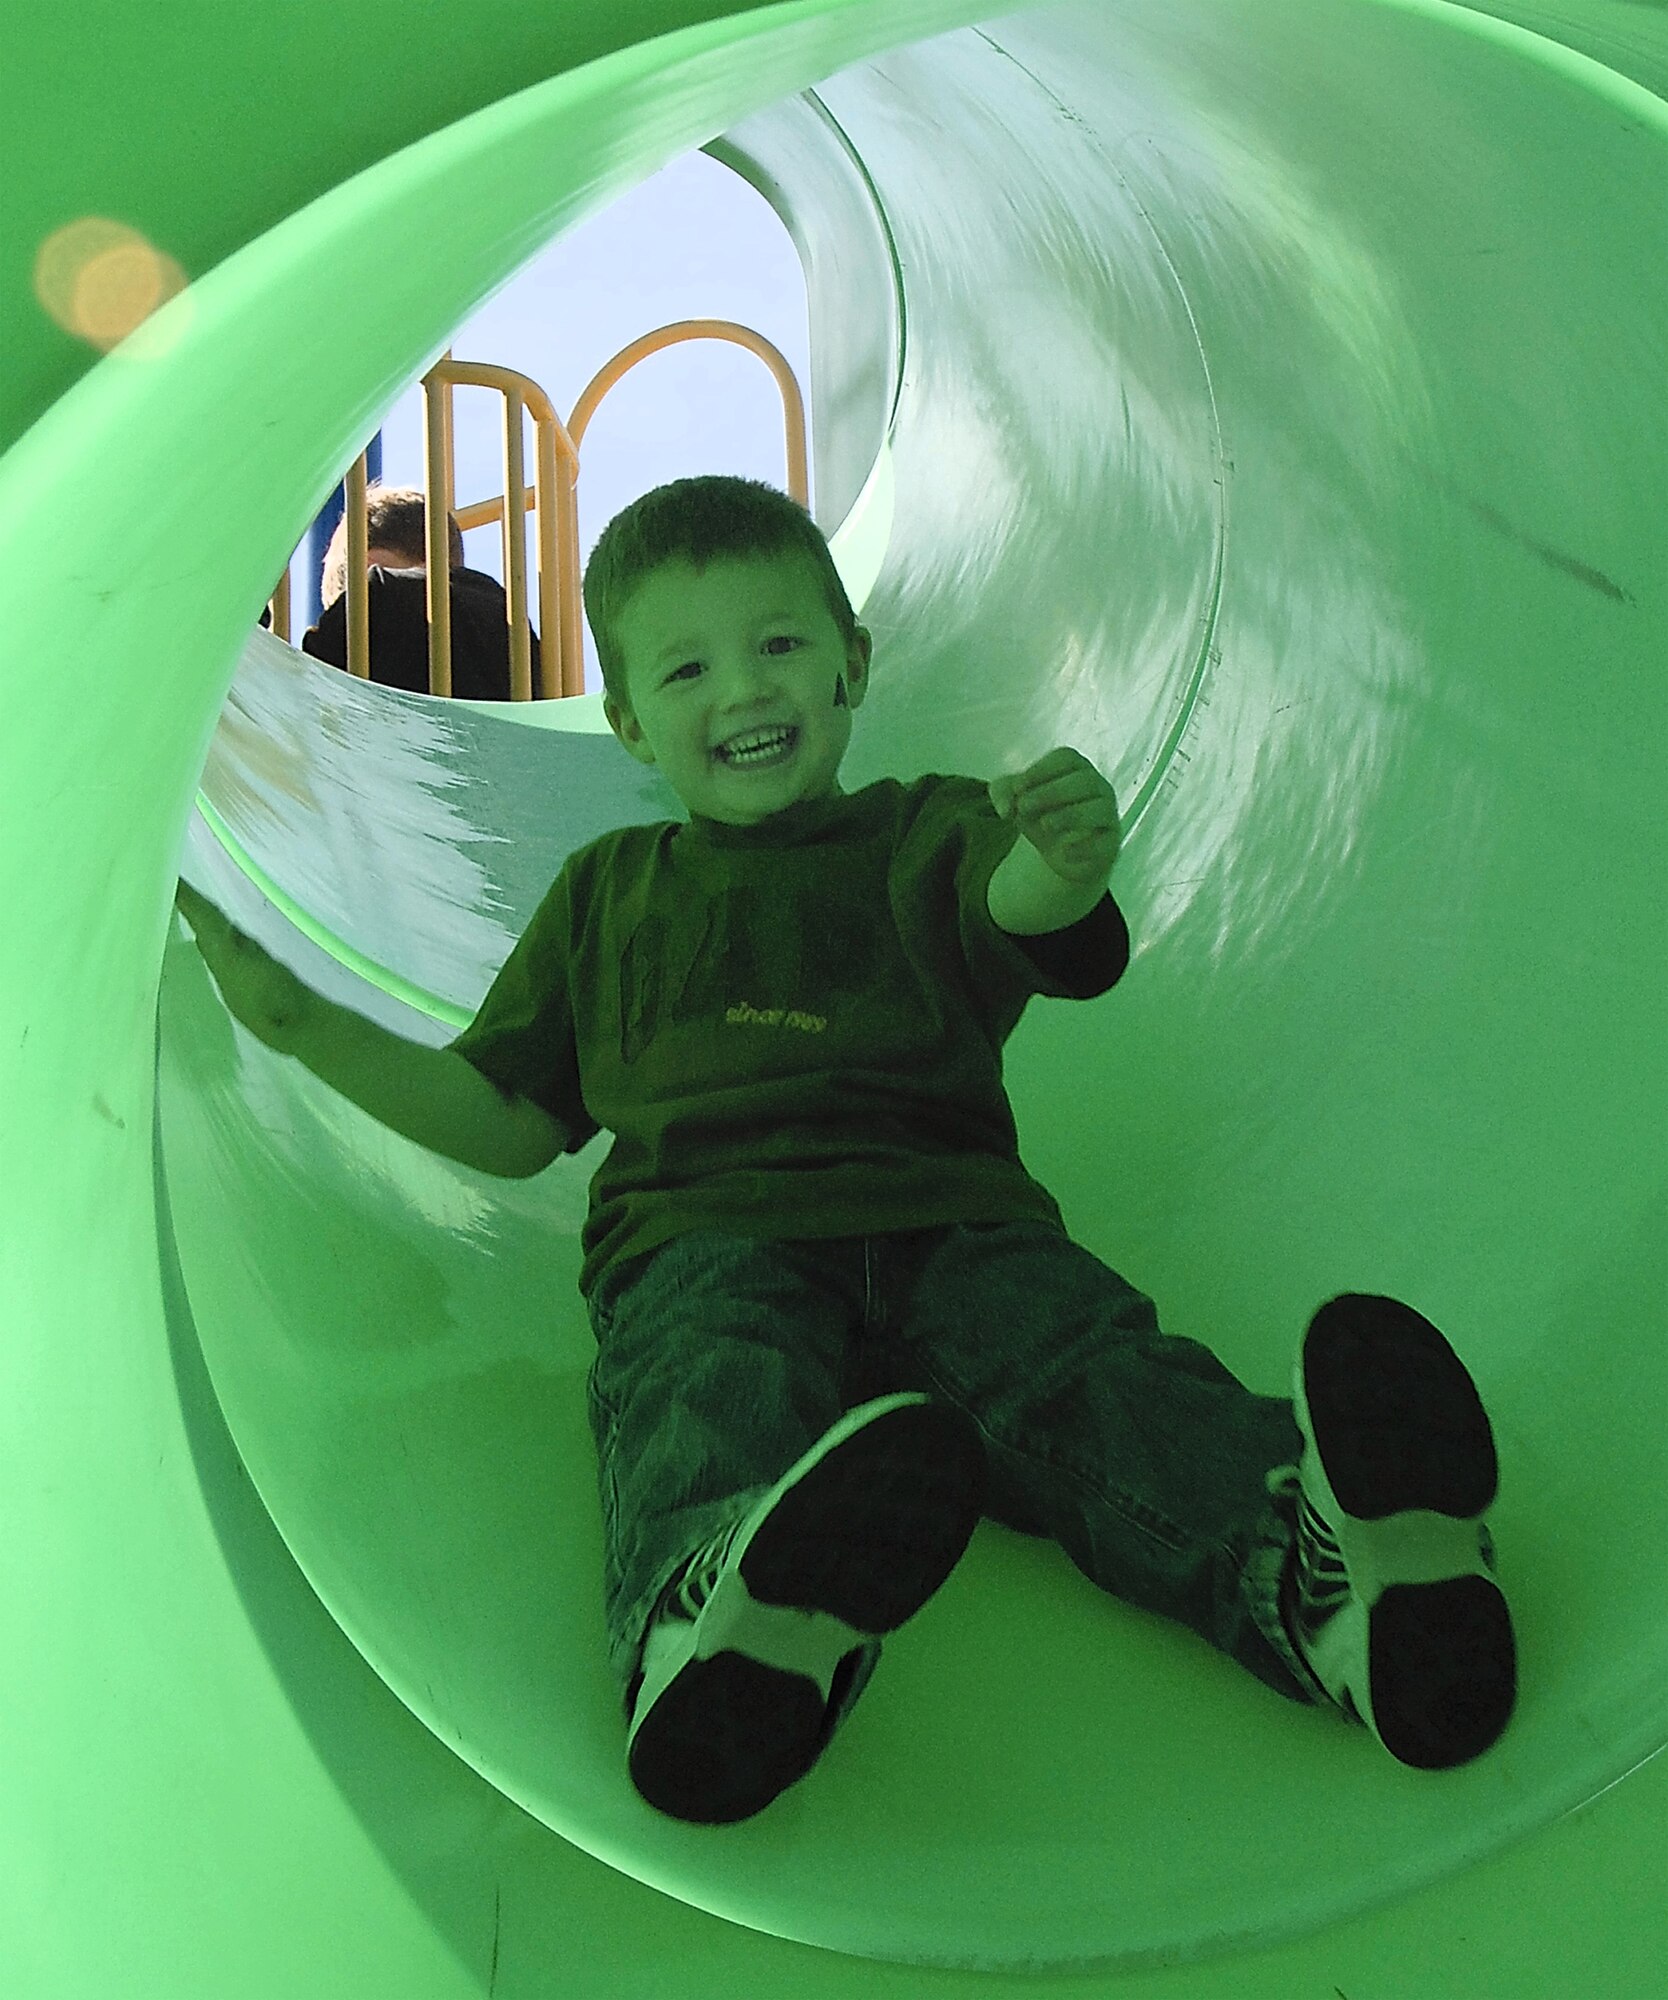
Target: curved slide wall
[1265,399]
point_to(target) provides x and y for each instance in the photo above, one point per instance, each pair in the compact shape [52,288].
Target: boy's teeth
[759,746]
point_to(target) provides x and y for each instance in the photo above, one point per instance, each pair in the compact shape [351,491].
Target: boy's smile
[732,673]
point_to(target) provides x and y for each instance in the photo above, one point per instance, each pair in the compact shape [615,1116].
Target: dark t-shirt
[791,1029]
[400,634]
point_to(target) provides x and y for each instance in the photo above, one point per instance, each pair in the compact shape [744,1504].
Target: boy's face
[747,645]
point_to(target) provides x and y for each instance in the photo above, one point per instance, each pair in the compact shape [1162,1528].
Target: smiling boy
[837,1320]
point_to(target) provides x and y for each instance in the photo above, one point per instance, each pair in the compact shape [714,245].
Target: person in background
[397,535]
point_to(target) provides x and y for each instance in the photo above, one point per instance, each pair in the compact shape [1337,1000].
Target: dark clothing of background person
[400,634]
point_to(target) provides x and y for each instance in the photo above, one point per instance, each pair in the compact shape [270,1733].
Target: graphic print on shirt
[656,962]
[761,982]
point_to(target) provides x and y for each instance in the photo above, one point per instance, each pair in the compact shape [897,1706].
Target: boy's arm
[1026,897]
[1070,834]
[433,1096]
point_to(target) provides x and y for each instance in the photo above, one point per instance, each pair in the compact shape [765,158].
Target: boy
[836,1319]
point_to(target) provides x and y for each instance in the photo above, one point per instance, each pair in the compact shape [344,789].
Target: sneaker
[1390,1596]
[753,1655]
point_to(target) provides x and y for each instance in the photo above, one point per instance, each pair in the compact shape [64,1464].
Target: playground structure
[551,500]
[1266,398]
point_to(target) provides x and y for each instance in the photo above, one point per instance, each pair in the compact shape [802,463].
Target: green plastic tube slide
[1263,396]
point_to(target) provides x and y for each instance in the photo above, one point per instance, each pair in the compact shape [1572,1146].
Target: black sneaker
[752,1659]
[1391,1597]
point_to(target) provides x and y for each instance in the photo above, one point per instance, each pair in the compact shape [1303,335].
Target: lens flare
[100,280]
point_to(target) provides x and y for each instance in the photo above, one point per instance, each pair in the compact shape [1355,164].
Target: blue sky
[693,242]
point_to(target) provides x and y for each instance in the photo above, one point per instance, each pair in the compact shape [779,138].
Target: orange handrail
[552,497]
[628,357]
[358,576]
[279,605]
[556,469]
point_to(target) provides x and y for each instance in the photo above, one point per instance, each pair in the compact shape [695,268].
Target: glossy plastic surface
[1266,400]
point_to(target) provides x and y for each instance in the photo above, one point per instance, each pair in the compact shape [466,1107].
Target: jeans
[721,1359]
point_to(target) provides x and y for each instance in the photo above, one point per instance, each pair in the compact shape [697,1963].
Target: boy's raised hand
[1067,811]
[265,996]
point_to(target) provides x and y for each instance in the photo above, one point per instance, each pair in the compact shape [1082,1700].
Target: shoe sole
[865,1528]
[1398,1427]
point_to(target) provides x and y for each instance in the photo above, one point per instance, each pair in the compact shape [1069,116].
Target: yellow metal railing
[552,499]
[555,477]
[279,608]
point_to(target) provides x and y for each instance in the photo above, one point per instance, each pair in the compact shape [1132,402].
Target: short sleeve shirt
[792,1029]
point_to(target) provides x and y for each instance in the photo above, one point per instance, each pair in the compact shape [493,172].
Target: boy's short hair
[397,518]
[695,520]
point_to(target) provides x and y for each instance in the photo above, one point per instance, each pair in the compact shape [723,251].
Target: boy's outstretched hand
[1067,811]
[265,996]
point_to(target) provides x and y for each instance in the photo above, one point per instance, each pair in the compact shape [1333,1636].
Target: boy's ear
[857,665]
[625,726]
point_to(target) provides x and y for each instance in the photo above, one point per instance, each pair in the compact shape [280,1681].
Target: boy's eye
[771,641]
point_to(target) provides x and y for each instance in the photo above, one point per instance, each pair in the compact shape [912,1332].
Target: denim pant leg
[720,1361]
[1137,1451]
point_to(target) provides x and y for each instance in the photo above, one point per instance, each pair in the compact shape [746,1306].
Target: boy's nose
[748,687]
